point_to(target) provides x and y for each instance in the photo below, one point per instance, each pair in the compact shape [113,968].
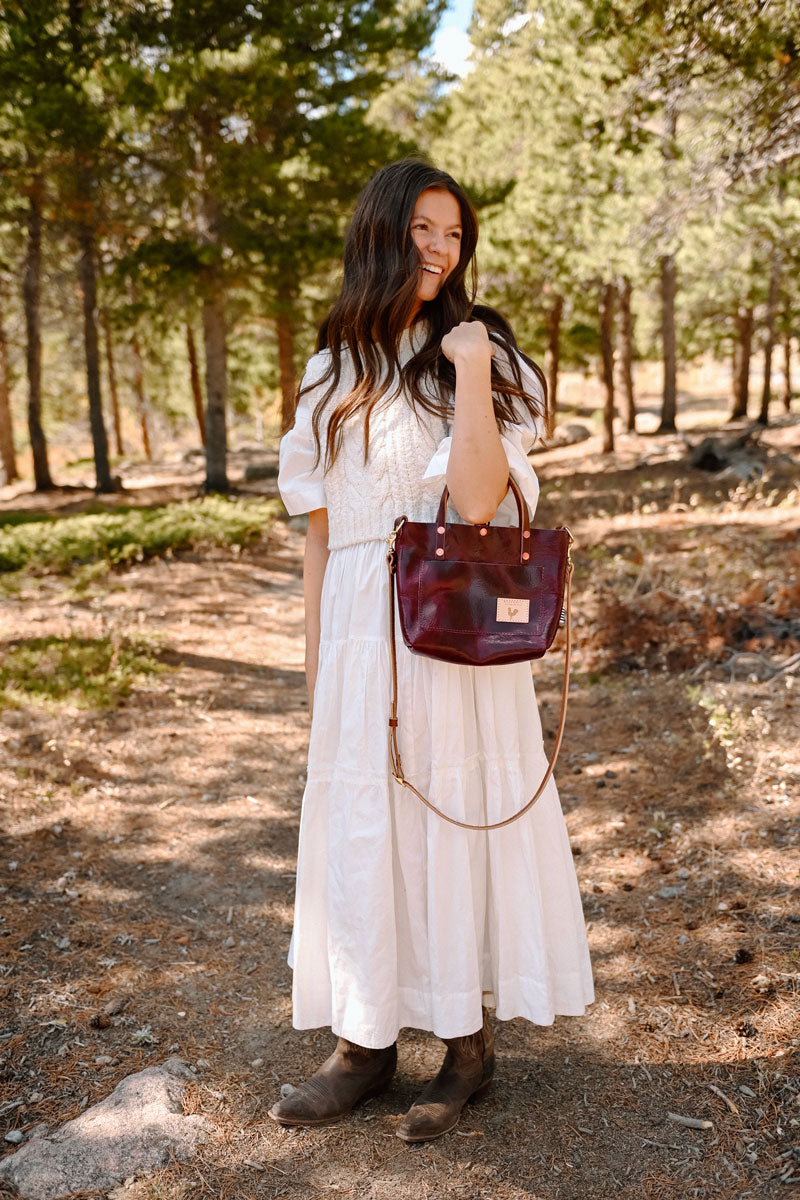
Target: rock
[140,1126]
[286,1090]
[15,1136]
[571,434]
[249,448]
[669,893]
[254,471]
[709,455]
[734,457]
[743,470]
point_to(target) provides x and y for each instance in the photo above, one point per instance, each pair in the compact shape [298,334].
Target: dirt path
[147,885]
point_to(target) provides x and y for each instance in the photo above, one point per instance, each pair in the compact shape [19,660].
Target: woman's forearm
[477,471]
[314,562]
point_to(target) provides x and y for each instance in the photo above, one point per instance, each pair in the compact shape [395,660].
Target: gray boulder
[570,434]
[262,470]
[140,1126]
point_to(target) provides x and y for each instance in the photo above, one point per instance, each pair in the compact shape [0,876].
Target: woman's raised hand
[468,340]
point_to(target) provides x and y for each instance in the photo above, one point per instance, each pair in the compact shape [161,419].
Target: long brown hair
[376,303]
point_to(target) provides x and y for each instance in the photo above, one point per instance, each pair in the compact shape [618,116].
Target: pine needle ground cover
[148,854]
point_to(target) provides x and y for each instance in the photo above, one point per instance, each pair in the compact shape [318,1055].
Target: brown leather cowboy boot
[465,1074]
[351,1074]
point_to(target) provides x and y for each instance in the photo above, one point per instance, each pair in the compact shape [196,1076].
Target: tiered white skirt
[402,919]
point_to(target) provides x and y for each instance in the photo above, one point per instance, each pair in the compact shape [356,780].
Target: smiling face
[436,230]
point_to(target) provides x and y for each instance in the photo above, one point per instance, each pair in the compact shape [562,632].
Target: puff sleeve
[301,483]
[517,440]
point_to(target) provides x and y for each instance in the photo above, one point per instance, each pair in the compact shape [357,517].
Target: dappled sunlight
[149,907]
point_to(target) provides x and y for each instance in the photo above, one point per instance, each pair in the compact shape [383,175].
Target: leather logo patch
[516,611]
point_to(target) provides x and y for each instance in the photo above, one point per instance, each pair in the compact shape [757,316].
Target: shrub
[132,534]
[87,672]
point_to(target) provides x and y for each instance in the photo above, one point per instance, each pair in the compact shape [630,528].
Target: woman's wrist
[473,357]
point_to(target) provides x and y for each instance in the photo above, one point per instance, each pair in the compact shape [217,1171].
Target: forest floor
[148,854]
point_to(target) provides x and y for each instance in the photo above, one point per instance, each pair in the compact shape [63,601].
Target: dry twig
[689,1122]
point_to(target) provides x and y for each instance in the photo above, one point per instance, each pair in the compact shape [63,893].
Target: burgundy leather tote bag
[478,596]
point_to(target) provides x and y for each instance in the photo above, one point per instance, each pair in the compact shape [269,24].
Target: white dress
[402,919]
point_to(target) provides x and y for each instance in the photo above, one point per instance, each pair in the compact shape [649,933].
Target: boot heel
[481,1091]
[378,1088]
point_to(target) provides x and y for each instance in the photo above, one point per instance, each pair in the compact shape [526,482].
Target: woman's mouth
[432,268]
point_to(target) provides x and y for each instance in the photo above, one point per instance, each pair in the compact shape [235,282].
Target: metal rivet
[526,556]
[484,532]
[440,529]
[440,552]
[526,533]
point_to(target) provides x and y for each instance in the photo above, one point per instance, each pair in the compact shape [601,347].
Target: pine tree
[260,134]
[556,167]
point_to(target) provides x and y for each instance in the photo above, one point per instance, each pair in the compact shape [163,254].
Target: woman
[402,919]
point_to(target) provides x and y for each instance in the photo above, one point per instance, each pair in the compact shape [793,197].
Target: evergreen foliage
[177,179]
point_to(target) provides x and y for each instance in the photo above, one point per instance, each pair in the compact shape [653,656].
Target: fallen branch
[713,1088]
[790,665]
[689,1122]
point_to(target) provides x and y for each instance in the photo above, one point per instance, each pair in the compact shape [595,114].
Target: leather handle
[522,513]
[394,750]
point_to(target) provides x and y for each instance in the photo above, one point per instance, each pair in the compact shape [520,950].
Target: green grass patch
[85,672]
[120,536]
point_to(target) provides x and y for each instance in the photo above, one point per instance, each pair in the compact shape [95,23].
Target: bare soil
[148,853]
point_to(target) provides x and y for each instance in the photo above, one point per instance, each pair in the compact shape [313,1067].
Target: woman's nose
[436,242]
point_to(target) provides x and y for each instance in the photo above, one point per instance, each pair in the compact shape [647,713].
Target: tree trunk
[31,291]
[626,352]
[285,330]
[769,340]
[215,340]
[87,276]
[607,351]
[112,387]
[8,459]
[194,379]
[741,383]
[554,352]
[787,372]
[736,360]
[668,279]
[141,396]
[668,290]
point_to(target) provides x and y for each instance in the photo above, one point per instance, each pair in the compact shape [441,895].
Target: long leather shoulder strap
[394,751]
